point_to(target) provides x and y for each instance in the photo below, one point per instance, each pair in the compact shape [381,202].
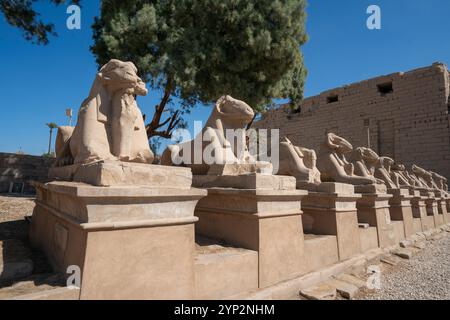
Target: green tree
[52,126]
[20,14]
[197,50]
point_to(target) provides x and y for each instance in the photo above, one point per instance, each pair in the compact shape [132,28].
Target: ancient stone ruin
[233,228]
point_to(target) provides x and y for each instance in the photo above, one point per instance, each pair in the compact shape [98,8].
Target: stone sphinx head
[232,112]
[369,156]
[423,176]
[439,180]
[398,167]
[386,163]
[116,75]
[339,144]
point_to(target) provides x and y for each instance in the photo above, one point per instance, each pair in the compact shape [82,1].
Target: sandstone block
[320,292]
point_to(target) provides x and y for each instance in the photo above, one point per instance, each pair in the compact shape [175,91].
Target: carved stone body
[424,177]
[383,172]
[298,162]
[228,113]
[110,124]
[440,181]
[365,162]
[400,176]
[333,165]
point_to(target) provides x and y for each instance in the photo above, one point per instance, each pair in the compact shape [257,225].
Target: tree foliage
[20,14]
[198,50]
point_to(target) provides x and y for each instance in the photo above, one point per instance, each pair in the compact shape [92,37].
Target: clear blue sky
[38,83]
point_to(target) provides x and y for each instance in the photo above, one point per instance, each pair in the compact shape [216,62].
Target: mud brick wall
[18,168]
[407,115]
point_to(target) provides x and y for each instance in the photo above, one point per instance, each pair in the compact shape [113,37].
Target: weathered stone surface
[405,253]
[390,260]
[320,292]
[420,244]
[333,165]
[110,124]
[406,243]
[298,162]
[236,169]
[356,281]
[111,205]
[249,181]
[115,173]
[15,261]
[221,272]
[228,114]
[345,289]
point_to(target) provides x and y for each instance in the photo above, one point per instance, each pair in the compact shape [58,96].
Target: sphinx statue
[110,124]
[333,165]
[365,161]
[400,176]
[298,162]
[424,178]
[228,113]
[440,181]
[383,172]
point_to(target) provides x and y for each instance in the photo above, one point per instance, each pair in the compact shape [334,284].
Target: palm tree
[52,126]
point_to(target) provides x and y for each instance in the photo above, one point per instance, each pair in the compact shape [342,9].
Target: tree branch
[159,109]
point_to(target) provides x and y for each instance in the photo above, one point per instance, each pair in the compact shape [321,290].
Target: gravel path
[425,276]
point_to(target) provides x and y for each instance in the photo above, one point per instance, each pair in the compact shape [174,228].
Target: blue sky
[38,83]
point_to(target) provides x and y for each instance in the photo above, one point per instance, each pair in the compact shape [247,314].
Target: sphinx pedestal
[124,239]
[400,209]
[420,211]
[265,216]
[432,208]
[373,209]
[331,210]
[446,202]
[441,206]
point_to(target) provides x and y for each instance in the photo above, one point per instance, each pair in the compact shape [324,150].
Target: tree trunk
[50,141]
[155,124]
[251,122]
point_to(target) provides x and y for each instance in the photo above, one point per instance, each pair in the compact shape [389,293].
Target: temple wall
[407,116]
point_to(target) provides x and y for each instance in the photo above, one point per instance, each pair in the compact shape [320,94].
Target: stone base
[400,209]
[114,173]
[333,212]
[237,169]
[267,221]
[371,188]
[373,208]
[221,272]
[427,223]
[368,238]
[124,239]
[320,251]
[251,181]
[417,223]
[399,231]
[447,218]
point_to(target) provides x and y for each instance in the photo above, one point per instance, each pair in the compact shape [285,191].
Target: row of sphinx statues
[110,126]
[338,161]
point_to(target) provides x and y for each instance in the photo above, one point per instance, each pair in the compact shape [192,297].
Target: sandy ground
[12,216]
